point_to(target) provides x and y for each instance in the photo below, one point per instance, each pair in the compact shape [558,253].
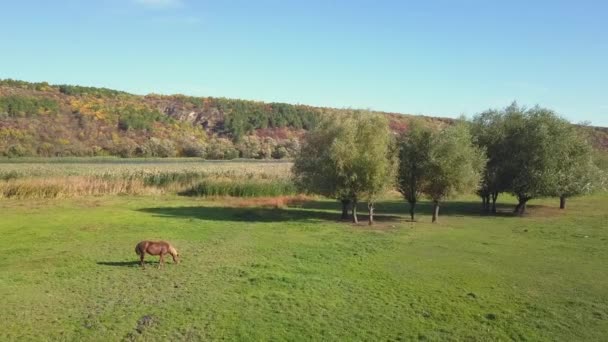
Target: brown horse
[156,248]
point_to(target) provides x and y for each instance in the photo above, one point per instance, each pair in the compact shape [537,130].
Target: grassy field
[68,272]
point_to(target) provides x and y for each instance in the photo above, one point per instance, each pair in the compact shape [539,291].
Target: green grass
[68,272]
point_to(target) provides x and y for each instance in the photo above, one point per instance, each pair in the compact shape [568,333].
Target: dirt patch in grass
[544,211]
[264,202]
[381,223]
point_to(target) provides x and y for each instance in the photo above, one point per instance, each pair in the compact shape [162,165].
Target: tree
[348,158]
[575,172]
[315,169]
[414,155]
[487,129]
[454,167]
[532,137]
[374,164]
[531,153]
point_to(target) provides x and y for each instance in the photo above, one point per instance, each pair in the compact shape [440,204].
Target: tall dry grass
[244,179]
[72,186]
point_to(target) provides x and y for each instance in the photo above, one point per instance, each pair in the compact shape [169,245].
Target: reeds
[71,186]
[58,180]
[241,188]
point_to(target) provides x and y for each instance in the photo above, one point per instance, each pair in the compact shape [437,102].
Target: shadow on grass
[401,208]
[134,263]
[386,211]
[257,214]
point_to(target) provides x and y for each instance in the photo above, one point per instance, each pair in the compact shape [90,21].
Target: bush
[125,149]
[18,151]
[221,149]
[193,150]
[141,118]
[21,106]
[163,148]
[280,152]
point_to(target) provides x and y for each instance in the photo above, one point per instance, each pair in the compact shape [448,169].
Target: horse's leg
[141,260]
[160,261]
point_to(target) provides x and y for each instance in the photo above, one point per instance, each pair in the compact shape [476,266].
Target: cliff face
[38,119]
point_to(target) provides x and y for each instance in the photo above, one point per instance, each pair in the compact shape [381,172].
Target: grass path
[68,272]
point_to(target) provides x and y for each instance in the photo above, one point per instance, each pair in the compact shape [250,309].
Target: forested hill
[39,119]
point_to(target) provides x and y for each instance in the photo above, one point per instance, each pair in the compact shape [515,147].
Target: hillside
[39,119]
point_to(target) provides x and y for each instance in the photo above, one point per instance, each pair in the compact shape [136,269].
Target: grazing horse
[156,248]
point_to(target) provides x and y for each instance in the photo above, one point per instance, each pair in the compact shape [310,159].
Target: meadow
[254,270]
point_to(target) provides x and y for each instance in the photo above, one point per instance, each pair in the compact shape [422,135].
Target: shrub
[138,118]
[193,150]
[161,148]
[21,106]
[280,152]
[17,151]
[221,149]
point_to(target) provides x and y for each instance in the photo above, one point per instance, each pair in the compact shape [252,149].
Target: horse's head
[174,253]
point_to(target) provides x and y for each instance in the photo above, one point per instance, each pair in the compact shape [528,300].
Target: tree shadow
[401,208]
[257,214]
[386,211]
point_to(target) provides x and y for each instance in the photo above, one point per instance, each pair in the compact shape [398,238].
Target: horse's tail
[139,249]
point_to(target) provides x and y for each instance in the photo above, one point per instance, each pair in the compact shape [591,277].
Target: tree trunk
[370,208]
[523,208]
[516,210]
[345,204]
[520,209]
[435,210]
[562,202]
[484,203]
[494,198]
[412,207]
[354,208]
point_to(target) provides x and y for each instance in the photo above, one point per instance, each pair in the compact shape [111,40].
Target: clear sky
[435,57]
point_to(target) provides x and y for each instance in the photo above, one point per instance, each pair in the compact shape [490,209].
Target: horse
[159,248]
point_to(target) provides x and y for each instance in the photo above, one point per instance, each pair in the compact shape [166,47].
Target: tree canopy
[532,152]
[414,155]
[454,167]
[348,158]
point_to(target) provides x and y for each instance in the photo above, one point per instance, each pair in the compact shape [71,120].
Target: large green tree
[315,168]
[574,172]
[454,167]
[533,138]
[374,163]
[487,129]
[414,155]
[348,157]
[532,152]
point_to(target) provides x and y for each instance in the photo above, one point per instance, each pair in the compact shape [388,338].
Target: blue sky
[434,57]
